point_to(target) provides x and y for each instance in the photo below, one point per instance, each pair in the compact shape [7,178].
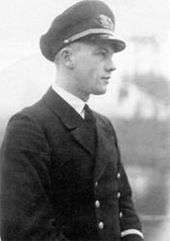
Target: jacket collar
[61,108]
[71,99]
[70,118]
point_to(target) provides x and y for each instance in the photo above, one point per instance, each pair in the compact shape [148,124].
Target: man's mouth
[106,79]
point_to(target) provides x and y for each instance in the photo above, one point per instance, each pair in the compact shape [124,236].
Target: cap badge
[105,22]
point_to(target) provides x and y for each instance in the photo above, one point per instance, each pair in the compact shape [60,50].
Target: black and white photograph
[85,120]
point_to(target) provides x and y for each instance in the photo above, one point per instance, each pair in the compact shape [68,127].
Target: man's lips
[106,79]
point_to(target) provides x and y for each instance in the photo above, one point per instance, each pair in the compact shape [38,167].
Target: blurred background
[137,101]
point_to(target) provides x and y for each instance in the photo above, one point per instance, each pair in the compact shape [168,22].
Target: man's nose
[110,66]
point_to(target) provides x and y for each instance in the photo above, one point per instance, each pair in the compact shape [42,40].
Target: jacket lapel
[70,118]
[105,149]
[81,135]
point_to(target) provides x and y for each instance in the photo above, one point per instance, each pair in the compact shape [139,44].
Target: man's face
[93,67]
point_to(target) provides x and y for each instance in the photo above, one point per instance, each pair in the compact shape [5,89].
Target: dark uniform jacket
[53,187]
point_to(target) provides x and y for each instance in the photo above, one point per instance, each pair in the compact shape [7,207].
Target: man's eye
[103,53]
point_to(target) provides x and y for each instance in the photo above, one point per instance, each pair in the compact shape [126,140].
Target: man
[62,177]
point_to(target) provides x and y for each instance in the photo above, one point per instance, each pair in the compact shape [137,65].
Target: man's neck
[69,87]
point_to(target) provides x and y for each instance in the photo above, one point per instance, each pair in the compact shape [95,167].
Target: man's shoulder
[32,111]
[35,113]
[101,117]
[103,120]
[26,129]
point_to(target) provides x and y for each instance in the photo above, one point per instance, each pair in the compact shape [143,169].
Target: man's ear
[66,55]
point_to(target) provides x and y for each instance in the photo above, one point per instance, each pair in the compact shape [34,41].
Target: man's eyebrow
[102,48]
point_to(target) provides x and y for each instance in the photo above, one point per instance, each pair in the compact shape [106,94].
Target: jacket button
[97,203]
[101,225]
[118,175]
[120,214]
[53,221]
[118,195]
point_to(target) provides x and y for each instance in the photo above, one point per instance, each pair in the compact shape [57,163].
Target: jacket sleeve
[26,211]
[130,225]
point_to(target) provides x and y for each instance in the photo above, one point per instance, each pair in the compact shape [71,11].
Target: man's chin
[100,92]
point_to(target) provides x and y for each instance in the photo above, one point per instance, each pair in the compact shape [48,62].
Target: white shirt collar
[72,100]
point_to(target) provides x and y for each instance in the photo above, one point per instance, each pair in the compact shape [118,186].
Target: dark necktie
[90,124]
[88,115]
